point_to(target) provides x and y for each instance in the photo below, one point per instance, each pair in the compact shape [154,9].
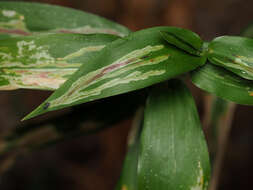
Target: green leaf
[20,18]
[173,153]
[234,54]
[224,84]
[128,177]
[185,40]
[139,60]
[46,61]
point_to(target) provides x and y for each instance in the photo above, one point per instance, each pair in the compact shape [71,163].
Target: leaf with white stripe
[46,61]
[234,54]
[139,60]
[23,18]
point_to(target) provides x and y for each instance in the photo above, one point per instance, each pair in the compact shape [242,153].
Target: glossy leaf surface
[173,153]
[22,18]
[46,61]
[184,39]
[139,60]
[223,83]
[234,54]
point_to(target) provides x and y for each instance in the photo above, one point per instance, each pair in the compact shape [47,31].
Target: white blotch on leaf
[200,180]
[33,54]
[8,13]
[89,30]
[131,61]
[12,20]
[82,51]
[32,66]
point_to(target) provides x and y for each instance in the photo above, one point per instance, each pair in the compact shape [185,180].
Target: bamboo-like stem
[208,99]
[136,125]
[224,126]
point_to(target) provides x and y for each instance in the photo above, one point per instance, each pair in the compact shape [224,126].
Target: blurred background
[93,161]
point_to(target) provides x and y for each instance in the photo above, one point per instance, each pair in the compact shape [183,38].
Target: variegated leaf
[223,83]
[139,60]
[22,18]
[233,53]
[45,61]
[172,153]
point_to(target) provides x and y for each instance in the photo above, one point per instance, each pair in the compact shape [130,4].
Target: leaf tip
[29,116]
[38,111]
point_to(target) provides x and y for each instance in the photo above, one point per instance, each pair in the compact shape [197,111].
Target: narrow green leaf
[224,84]
[45,61]
[185,40]
[234,54]
[139,60]
[128,177]
[173,153]
[21,18]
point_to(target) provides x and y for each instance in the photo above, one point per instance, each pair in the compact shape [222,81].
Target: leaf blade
[22,18]
[173,152]
[234,54]
[185,40]
[223,84]
[46,61]
[128,176]
[134,62]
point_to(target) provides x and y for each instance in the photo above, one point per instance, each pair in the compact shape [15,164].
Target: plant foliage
[169,150]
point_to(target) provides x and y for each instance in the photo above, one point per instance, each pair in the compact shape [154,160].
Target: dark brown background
[94,162]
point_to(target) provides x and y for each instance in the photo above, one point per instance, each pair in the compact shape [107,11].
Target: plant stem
[223,125]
